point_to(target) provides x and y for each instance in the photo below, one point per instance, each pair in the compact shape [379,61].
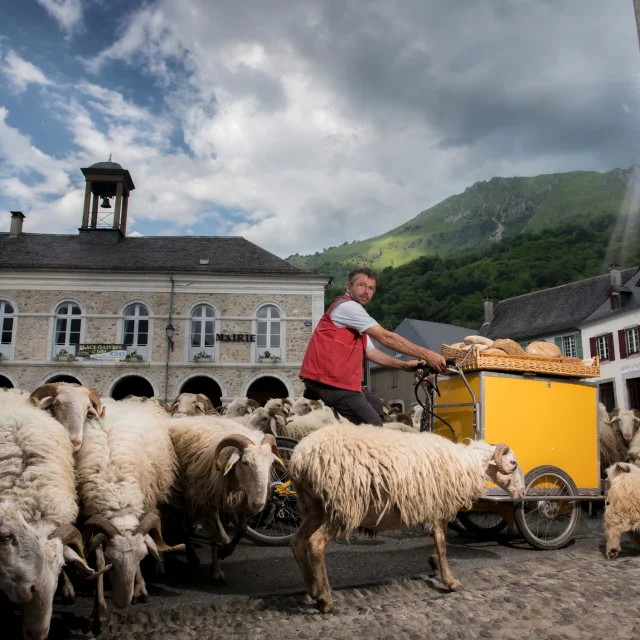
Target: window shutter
[612,353]
[592,347]
[622,342]
[558,342]
[578,338]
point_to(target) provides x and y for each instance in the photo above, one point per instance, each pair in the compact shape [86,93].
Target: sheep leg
[140,588]
[320,589]
[66,588]
[230,546]
[217,574]
[300,546]
[98,618]
[613,536]
[440,540]
[222,534]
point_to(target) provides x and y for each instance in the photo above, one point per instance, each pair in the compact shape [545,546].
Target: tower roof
[107,165]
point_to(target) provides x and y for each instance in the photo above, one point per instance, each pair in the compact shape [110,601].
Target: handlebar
[423,366]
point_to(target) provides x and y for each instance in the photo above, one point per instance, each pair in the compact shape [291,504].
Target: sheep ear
[235,456]
[151,545]
[47,403]
[200,405]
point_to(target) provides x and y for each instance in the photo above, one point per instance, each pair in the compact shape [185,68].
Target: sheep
[239,408]
[301,426]
[161,403]
[627,421]
[191,404]
[124,471]
[222,468]
[416,415]
[71,404]
[37,510]
[349,476]
[622,506]
[612,447]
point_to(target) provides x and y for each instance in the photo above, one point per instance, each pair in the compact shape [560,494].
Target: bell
[105,203]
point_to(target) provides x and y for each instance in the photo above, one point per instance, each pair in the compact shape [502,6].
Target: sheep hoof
[612,554]
[98,621]
[326,606]
[142,598]
[224,551]
[218,578]
[456,585]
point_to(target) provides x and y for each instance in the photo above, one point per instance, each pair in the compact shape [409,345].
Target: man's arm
[384,360]
[402,345]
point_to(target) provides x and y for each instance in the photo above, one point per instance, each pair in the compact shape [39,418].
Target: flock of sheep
[86,482]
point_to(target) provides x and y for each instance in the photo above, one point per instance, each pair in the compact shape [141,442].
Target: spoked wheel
[280,519]
[548,524]
[482,523]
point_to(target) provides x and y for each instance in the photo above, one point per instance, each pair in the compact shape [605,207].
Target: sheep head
[251,465]
[263,420]
[503,469]
[627,420]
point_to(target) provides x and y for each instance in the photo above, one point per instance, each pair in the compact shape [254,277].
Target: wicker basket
[475,360]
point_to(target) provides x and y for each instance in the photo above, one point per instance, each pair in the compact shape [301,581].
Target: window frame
[274,351]
[141,350]
[569,338]
[213,351]
[68,346]
[604,341]
[631,331]
[6,349]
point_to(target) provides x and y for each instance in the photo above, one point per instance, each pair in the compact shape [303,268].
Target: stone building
[152,316]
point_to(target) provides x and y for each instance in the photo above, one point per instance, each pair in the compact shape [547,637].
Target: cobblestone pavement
[568,595]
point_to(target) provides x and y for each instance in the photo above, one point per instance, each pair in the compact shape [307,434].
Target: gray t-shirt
[352,315]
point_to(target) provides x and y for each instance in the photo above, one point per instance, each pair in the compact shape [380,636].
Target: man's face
[362,289]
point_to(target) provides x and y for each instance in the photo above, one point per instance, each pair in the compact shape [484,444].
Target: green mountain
[485,214]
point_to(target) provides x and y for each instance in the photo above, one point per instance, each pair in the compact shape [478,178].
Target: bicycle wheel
[482,523]
[281,517]
[548,524]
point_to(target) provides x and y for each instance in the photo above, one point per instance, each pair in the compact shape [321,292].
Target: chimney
[488,310]
[16,223]
[615,275]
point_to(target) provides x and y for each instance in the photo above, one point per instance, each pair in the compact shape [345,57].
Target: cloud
[68,13]
[22,73]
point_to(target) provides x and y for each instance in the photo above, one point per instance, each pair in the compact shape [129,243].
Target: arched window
[67,328]
[268,331]
[202,331]
[6,328]
[135,334]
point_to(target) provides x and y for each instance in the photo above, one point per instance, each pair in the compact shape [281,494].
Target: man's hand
[410,365]
[434,360]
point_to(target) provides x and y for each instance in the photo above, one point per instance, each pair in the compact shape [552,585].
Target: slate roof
[107,250]
[550,310]
[630,299]
[431,335]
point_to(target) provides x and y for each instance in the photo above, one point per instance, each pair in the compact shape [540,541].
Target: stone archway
[204,385]
[63,378]
[5,383]
[265,388]
[132,385]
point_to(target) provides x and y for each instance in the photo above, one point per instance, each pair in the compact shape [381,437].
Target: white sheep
[299,427]
[612,446]
[37,510]
[622,506]
[349,476]
[125,470]
[240,408]
[416,415]
[628,421]
[191,404]
[222,468]
[71,404]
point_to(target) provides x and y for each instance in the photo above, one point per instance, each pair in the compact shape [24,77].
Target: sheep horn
[99,524]
[207,403]
[151,525]
[252,403]
[501,450]
[51,389]
[271,441]
[69,536]
[236,440]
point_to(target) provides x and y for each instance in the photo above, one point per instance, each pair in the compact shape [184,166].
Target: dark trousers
[359,407]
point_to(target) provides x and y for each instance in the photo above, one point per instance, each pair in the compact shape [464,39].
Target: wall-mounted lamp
[170,329]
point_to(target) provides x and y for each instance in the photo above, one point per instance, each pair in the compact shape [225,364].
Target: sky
[302,125]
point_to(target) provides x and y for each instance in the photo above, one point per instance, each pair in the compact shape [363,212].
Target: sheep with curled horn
[192,404]
[223,467]
[125,471]
[347,477]
[38,507]
[71,404]
[239,409]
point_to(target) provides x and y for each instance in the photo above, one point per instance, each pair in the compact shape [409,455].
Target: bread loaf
[458,345]
[478,340]
[492,351]
[543,349]
[509,346]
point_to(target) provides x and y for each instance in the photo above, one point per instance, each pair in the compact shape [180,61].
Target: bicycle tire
[482,523]
[565,514]
[266,536]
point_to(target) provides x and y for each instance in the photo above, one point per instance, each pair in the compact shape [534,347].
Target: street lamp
[170,329]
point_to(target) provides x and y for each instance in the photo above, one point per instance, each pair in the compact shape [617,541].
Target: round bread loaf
[492,351]
[509,346]
[572,359]
[544,349]
[480,347]
[478,340]
[458,345]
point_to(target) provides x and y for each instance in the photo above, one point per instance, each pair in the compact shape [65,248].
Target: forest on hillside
[451,289]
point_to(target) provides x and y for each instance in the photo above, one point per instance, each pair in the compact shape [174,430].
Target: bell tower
[104,181]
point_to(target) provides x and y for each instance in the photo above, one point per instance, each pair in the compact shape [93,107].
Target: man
[333,363]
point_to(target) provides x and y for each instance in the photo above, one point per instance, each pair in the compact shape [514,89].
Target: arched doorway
[265,388]
[132,385]
[5,383]
[204,385]
[64,378]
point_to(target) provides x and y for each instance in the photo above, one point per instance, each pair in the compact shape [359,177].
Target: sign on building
[101,351]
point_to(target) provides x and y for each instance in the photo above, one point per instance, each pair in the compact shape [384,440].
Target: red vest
[335,356]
